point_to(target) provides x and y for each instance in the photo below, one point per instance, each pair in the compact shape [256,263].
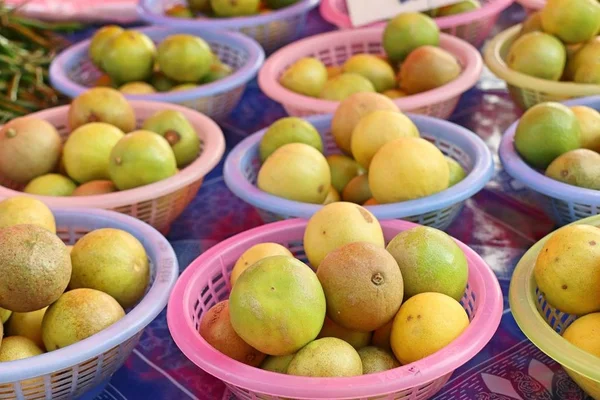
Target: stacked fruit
[567,273]
[390,163]
[53,295]
[368,308]
[565,141]
[413,64]
[133,63]
[226,8]
[560,42]
[103,153]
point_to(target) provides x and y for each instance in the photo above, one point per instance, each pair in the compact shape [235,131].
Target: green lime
[289,130]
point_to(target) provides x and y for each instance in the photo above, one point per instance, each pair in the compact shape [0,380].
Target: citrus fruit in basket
[533,23]
[357,190]
[289,130]
[160,82]
[408,31]
[343,170]
[87,151]
[377,71]
[587,54]
[102,105]
[77,315]
[338,224]
[579,167]
[276,4]
[184,58]
[296,171]
[457,172]
[265,289]
[585,334]
[238,8]
[376,129]
[141,158]
[93,188]
[17,348]
[349,113]
[572,21]
[457,8]
[218,70]
[376,360]
[425,324]
[356,339]
[306,76]
[567,271]
[137,88]
[27,325]
[254,254]
[430,261]
[35,267]
[51,185]
[29,147]
[277,364]
[332,196]
[418,164]
[394,93]
[4,315]
[342,86]
[538,54]
[112,261]
[546,131]
[179,11]
[216,329]
[588,74]
[367,298]
[202,6]
[128,57]
[326,357]
[181,135]
[381,336]
[589,124]
[333,70]
[99,41]
[26,210]
[428,68]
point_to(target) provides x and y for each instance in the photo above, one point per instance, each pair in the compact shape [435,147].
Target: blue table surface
[500,223]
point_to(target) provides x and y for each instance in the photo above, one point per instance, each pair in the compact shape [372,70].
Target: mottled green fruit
[260,294]
[102,104]
[141,158]
[546,131]
[161,82]
[306,76]
[589,74]
[376,360]
[539,55]
[326,357]
[237,8]
[289,130]
[458,8]
[181,135]
[343,170]
[457,172]
[356,339]
[277,364]
[377,71]
[572,21]
[184,58]
[344,85]
[129,57]
[427,68]
[408,31]
[97,48]
[217,71]
[430,261]
[357,190]
[51,185]
[579,167]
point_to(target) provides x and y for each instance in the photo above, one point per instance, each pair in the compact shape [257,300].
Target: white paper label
[363,12]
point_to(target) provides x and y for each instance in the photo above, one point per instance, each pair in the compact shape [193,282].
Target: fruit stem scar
[11,133]
[118,161]
[377,279]
[172,136]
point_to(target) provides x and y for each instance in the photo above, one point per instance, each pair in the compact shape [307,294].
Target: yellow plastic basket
[543,324]
[525,90]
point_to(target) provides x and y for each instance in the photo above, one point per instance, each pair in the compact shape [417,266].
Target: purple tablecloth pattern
[500,223]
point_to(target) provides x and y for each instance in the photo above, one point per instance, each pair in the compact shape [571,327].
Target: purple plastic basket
[272,30]
[72,72]
[565,203]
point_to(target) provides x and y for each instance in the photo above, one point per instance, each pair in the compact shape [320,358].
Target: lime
[407,32]
[289,130]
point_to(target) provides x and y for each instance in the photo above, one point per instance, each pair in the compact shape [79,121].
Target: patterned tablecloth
[500,223]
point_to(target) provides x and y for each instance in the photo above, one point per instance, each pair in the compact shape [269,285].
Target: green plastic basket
[543,324]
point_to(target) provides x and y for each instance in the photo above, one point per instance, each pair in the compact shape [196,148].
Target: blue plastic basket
[438,210]
[564,203]
[79,369]
[272,30]
[72,72]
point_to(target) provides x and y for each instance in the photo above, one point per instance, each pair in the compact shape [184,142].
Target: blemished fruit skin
[277,363]
[261,293]
[376,360]
[337,224]
[35,266]
[216,329]
[427,68]
[567,270]
[102,104]
[579,167]
[408,31]
[326,357]
[18,348]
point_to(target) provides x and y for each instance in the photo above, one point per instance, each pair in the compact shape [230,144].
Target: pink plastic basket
[474,26]
[334,48]
[206,282]
[532,6]
[157,204]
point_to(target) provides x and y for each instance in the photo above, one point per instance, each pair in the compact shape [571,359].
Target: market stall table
[500,223]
